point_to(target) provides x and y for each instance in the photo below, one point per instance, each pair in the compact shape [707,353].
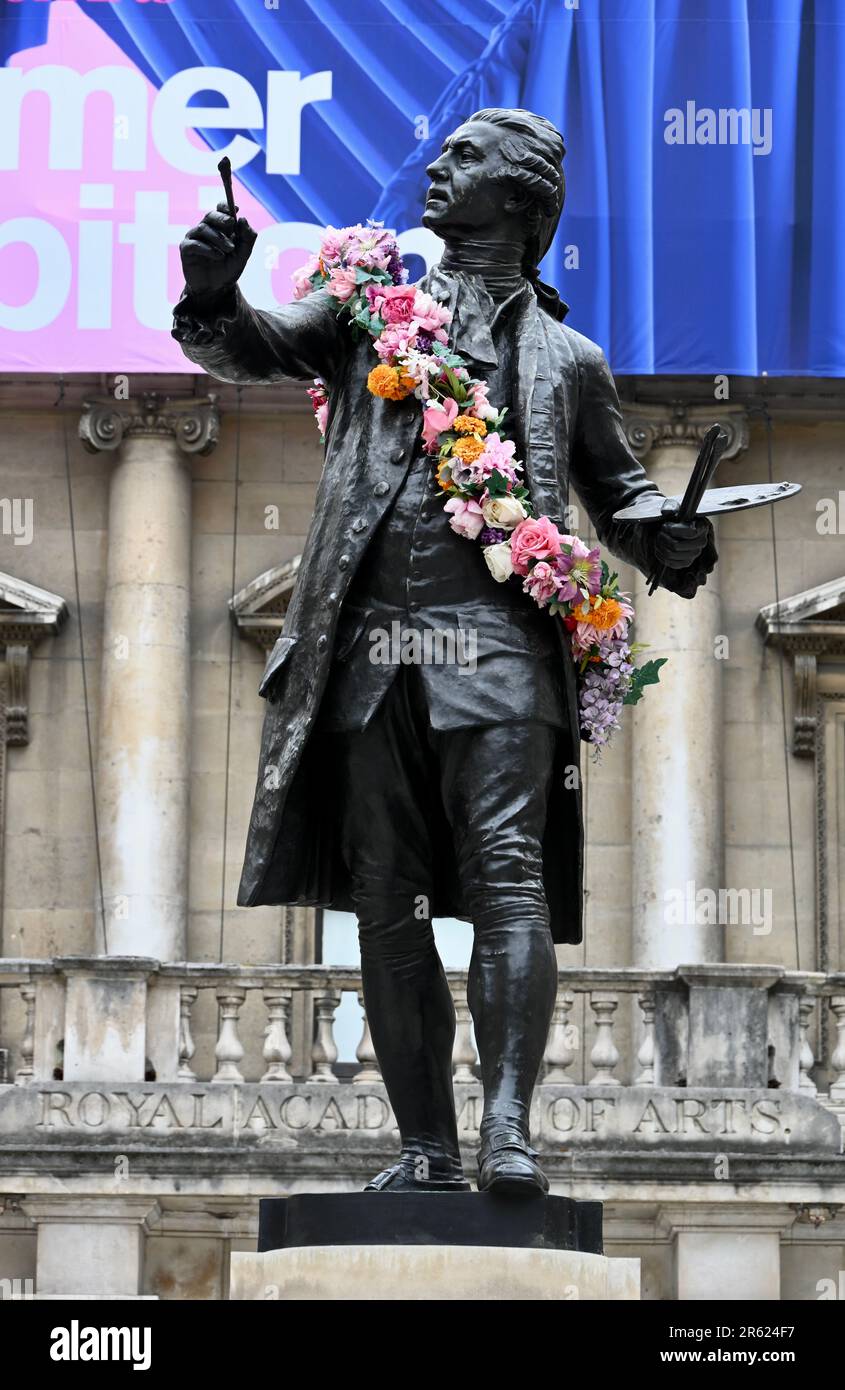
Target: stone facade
[166,1057]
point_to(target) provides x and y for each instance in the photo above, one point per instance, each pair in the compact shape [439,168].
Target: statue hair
[532,155]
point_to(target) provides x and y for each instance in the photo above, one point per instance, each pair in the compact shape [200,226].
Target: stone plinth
[431,1272]
[413,1246]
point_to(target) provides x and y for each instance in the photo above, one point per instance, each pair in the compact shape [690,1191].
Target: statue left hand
[677,545]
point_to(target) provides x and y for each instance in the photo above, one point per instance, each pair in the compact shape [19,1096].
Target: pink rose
[534,539]
[395,303]
[541,583]
[435,421]
[301,278]
[322,414]
[481,403]
[342,284]
[429,316]
[467,519]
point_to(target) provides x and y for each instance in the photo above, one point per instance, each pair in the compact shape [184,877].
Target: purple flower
[492,535]
[602,689]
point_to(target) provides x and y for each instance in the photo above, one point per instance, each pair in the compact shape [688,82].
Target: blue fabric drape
[676,258]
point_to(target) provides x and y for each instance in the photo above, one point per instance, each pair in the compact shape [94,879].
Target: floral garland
[487,501]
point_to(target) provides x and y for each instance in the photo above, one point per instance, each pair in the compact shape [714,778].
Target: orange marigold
[444,481]
[468,450]
[468,424]
[606,615]
[385,381]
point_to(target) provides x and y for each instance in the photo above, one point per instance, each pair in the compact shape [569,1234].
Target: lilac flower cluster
[602,690]
[492,535]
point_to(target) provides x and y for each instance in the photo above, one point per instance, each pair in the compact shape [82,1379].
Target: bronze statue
[403,792]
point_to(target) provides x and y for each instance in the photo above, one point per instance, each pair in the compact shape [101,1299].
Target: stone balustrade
[132,1019]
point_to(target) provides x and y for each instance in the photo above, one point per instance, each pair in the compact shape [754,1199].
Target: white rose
[499,561]
[504,512]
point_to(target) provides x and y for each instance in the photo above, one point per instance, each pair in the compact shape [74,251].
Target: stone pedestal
[143,766]
[438,1273]
[419,1246]
[677,788]
[105,1017]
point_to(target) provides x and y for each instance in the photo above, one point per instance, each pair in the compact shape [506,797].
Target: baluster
[229,1049]
[604,1055]
[463,1052]
[645,1055]
[187,1047]
[277,1048]
[562,1046]
[365,1052]
[324,1049]
[25,1071]
[837,1060]
[806,1059]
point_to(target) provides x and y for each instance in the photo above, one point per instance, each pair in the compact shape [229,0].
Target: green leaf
[648,674]
[497,484]
[457,388]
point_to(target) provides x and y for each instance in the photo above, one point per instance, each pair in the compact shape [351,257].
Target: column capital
[109,1210]
[742,1218]
[193,424]
[657,425]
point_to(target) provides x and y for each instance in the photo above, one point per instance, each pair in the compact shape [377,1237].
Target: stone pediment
[812,621]
[809,626]
[259,608]
[28,613]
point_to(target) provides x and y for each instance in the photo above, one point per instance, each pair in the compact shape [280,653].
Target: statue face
[464,198]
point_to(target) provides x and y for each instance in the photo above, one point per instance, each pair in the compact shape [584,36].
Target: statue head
[499,177]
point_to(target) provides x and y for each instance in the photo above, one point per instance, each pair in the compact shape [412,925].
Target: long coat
[568,428]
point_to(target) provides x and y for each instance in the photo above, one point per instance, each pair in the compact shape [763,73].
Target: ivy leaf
[648,674]
[497,484]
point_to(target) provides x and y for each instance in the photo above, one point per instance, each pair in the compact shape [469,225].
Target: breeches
[404,790]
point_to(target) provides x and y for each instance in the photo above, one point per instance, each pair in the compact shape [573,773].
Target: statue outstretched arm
[234,342]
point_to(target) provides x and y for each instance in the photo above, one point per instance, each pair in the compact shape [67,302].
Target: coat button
[359,524]
[322,642]
[380,489]
[343,562]
[397,456]
[332,599]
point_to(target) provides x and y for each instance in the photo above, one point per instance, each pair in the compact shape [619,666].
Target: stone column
[677,786]
[143,765]
[91,1246]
